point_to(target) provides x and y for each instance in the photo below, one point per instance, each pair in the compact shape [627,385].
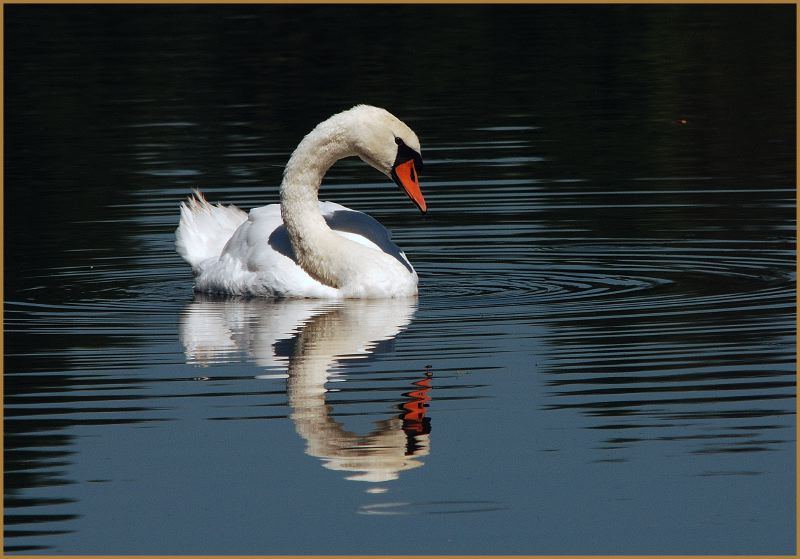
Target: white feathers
[258,258]
[204,229]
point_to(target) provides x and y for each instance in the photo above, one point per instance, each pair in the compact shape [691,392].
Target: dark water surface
[601,356]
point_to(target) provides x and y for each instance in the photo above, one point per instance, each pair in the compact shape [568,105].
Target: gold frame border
[396,2]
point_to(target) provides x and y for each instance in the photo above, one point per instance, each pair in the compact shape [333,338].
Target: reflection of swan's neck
[319,251]
[316,347]
[380,454]
[321,334]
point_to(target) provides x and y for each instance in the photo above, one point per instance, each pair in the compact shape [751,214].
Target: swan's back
[362,228]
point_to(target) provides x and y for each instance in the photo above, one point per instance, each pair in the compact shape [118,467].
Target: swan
[303,247]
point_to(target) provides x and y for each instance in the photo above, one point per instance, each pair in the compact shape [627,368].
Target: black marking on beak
[404,153]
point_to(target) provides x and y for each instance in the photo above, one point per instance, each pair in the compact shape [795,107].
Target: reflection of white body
[218,331]
[304,248]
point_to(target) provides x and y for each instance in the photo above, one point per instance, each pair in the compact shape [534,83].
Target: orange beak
[406,177]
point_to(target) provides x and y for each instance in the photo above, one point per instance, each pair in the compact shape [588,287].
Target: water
[601,356]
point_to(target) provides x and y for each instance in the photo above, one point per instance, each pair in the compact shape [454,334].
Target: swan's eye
[404,154]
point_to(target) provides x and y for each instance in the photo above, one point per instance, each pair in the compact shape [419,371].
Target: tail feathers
[204,228]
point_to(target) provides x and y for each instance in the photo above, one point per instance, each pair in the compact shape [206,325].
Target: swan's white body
[303,247]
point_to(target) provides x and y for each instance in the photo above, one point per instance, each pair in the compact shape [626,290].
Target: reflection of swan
[321,335]
[303,247]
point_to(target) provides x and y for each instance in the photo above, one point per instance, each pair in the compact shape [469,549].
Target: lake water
[601,358]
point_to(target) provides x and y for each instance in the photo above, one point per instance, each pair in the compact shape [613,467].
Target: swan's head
[385,142]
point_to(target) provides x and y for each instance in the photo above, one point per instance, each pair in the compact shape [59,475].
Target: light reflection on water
[602,354]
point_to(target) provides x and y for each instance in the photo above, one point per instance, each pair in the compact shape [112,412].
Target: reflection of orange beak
[406,177]
[414,410]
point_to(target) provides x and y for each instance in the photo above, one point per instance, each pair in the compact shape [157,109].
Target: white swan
[303,247]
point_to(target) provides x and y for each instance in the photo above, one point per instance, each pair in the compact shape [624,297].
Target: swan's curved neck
[318,249]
